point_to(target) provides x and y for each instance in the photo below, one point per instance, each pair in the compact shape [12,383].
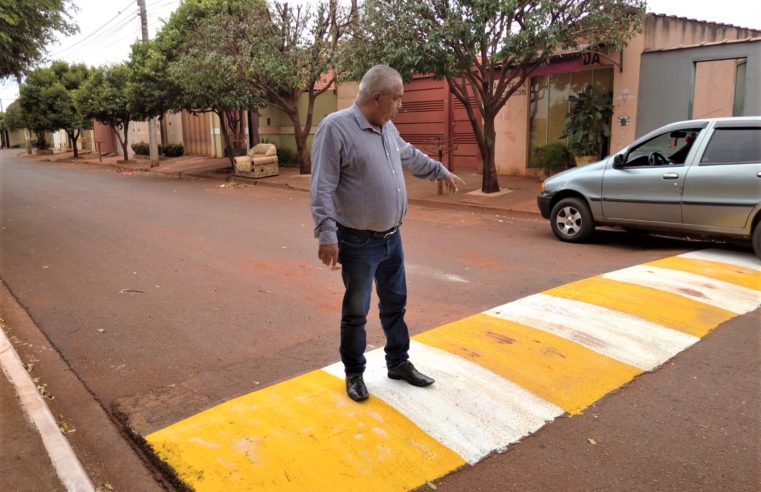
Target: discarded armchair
[260,162]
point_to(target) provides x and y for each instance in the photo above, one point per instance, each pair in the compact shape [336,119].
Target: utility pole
[153,144]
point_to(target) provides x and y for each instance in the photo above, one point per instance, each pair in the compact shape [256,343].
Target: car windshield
[672,146]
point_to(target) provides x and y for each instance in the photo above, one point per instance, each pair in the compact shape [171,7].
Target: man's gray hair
[379,79]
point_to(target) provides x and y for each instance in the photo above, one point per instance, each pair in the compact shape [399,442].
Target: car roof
[726,122]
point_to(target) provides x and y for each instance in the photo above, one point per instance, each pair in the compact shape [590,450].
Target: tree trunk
[226,137]
[73,137]
[305,164]
[490,183]
[123,141]
[300,134]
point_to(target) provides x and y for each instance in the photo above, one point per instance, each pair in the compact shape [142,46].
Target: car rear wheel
[757,240]
[571,220]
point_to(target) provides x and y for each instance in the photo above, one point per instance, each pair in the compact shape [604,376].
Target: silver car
[698,178]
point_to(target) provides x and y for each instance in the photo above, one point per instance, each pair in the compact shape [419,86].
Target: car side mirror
[618,161]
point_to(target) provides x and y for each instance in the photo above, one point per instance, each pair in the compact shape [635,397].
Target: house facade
[675,69]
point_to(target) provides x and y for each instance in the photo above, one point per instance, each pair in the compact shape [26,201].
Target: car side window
[667,149]
[733,146]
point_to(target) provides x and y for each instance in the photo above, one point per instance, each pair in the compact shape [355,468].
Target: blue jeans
[364,259]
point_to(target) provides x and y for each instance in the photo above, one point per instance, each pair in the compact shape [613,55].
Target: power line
[96,31]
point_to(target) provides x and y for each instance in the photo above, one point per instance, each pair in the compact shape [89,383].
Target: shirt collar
[361,120]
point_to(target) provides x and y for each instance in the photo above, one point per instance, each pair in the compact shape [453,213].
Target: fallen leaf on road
[65,427]
[29,367]
[101,330]
[591,441]
[431,485]
[43,389]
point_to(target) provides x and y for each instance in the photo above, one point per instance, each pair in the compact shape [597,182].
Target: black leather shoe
[407,371]
[355,387]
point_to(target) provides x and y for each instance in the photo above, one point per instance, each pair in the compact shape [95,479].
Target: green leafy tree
[152,91]
[47,98]
[13,117]
[37,97]
[26,28]
[487,49]
[587,124]
[199,52]
[4,137]
[105,97]
[297,51]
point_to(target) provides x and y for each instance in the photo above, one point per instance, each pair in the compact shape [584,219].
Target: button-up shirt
[357,178]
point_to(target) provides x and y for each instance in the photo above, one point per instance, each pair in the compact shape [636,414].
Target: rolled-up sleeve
[326,171]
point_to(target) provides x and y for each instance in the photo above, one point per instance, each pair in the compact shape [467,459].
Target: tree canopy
[105,97]
[26,28]
[487,49]
[13,118]
[298,51]
[47,100]
[232,55]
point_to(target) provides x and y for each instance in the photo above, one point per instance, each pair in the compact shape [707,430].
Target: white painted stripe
[745,260]
[725,295]
[618,335]
[469,409]
[67,466]
[437,274]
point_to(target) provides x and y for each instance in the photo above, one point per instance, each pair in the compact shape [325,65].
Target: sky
[107,28]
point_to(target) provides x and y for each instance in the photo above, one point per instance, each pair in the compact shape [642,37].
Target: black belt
[359,232]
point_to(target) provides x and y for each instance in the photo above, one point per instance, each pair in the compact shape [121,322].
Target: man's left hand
[452,181]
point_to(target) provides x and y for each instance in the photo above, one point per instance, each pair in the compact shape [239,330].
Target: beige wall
[280,130]
[665,32]
[625,92]
[714,88]
[138,132]
[511,127]
[345,94]
[174,128]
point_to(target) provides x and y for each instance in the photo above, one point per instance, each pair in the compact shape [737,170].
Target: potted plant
[587,124]
[551,158]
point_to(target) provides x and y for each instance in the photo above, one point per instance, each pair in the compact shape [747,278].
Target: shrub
[172,150]
[551,157]
[286,156]
[141,148]
[587,125]
[41,144]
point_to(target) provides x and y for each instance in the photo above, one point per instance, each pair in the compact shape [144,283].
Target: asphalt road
[168,296]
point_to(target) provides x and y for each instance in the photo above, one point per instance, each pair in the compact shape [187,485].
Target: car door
[648,187]
[722,188]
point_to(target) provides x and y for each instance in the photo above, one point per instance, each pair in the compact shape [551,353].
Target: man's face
[389,103]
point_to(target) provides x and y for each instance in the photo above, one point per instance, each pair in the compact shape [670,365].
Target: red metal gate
[432,119]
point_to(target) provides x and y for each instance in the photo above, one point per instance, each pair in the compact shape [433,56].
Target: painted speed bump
[501,374]
[562,372]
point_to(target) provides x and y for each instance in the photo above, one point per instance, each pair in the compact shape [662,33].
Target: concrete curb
[67,466]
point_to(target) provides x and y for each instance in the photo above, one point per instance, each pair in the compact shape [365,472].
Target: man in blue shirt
[358,202]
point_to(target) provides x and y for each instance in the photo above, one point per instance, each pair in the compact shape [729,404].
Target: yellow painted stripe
[734,274]
[302,434]
[664,308]
[560,371]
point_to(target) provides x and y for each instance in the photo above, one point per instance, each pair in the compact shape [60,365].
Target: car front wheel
[757,240]
[571,220]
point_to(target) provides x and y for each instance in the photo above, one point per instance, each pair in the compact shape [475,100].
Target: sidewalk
[517,195]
